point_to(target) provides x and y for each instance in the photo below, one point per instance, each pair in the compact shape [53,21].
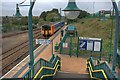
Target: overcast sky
[8,7]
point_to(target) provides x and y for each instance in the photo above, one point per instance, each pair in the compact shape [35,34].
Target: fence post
[70,49]
[101,50]
[77,46]
[61,45]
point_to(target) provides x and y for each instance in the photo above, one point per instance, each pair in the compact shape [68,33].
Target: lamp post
[18,14]
[71,12]
[30,28]
[111,31]
[116,35]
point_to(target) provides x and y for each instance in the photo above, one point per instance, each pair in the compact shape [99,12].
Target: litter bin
[56,47]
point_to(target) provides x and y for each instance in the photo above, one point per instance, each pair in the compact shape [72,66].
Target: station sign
[43,41]
[90,44]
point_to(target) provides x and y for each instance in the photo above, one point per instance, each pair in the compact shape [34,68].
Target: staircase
[64,75]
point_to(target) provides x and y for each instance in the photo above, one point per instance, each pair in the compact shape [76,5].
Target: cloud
[9,6]
[59,0]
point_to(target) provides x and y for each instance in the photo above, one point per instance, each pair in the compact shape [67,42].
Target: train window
[46,27]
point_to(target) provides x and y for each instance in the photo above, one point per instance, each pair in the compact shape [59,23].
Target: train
[48,30]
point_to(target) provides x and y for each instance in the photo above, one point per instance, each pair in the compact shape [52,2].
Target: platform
[43,51]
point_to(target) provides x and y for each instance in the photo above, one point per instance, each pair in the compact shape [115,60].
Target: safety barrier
[48,72]
[103,67]
[62,41]
[43,67]
[96,74]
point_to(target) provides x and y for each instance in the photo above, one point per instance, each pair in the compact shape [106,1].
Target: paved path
[73,64]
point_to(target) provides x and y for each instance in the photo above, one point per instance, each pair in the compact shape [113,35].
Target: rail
[47,72]
[96,74]
[40,66]
[103,66]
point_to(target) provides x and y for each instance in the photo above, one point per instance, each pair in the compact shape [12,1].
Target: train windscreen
[46,27]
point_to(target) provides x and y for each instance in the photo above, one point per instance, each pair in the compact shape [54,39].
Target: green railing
[46,72]
[40,67]
[62,41]
[102,66]
[96,74]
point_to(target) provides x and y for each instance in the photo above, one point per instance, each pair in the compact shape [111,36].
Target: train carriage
[48,30]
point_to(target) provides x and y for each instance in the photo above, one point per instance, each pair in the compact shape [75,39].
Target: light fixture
[71,11]
[18,14]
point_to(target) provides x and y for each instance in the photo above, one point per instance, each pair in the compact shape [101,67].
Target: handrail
[92,76]
[101,70]
[36,63]
[44,67]
[50,74]
[105,66]
[39,63]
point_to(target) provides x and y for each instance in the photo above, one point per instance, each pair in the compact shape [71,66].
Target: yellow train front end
[46,30]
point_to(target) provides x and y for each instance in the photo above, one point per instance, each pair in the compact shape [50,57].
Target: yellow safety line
[50,74]
[43,68]
[98,71]
[92,76]
[90,72]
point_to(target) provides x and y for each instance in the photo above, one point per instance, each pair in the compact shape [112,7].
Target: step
[64,75]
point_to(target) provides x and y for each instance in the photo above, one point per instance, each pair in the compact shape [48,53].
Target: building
[119,5]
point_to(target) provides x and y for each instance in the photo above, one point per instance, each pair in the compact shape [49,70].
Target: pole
[60,14]
[77,47]
[101,49]
[116,35]
[30,27]
[93,8]
[52,49]
[110,53]
[70,46]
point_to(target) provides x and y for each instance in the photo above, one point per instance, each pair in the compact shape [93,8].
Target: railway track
[12,47]
[16,33]
[13,56]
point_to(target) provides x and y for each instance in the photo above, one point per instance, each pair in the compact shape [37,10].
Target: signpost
[90,44]
[43,41]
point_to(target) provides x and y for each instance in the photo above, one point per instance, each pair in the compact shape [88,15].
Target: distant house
[119,5]
[106,13]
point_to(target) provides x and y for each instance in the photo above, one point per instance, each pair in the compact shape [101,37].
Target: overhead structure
[30,30]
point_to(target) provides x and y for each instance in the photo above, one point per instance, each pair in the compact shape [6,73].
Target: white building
[119,5]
